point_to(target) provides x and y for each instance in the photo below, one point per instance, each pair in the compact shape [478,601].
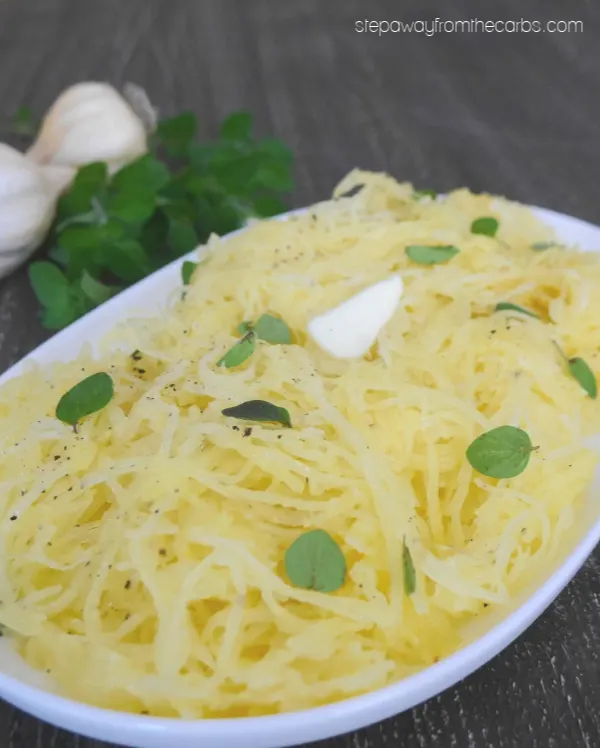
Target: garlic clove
[27,207]
[89,122]
[351,328]
[57,178]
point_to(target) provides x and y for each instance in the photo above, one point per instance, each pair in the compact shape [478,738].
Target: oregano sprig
[424,254]
[581,372]
[261,411]
[486,226]
[508,306]
[503,452]
[239,352]
[113,230]
[410,577]
[314,561]
[86,397]
[270,329]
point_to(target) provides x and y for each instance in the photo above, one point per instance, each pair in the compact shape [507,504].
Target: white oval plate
[34,693]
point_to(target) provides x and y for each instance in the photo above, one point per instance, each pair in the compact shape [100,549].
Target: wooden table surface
[516,114]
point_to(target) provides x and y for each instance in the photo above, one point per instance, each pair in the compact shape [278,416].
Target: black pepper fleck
[127,584]
[162,551]
[248,431]
[13,518]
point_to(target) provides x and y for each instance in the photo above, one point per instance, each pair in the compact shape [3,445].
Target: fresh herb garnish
[580,371]
[239,352]
[507,306]
[270,329]
[502,452]
[117,229]
[187,270]
[431,255]
[541,246]
[315,561]
[88,396]
[410,577]
[259,410]
[419,194]
[485,225]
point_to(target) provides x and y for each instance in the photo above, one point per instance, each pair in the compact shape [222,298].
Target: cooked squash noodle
[142,558]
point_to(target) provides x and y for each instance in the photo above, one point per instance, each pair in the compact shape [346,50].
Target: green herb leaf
[49,284]
[274,150]
[431,255]
[238,126]
[23,122]
[54,294]
[580,371]
[239,353]
[273,330]
[89,181]
[259,410]
[137,220]
[97,292]
[127,260]
[146,171]
[420,194]
[541,246]
[182,236]
[89,396]
[502,452]
[265,206]
[410,577]
[274,176]
[187,270]
[176,133]
[57,317]
[314,561]
[486,225]
[132,206]
[507,306]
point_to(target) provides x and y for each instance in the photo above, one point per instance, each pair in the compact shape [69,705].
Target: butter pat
[350,329]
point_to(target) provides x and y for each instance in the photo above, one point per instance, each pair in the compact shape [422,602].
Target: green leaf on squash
[485,225]
[424,254]
[187,270]
[581,372]
[314,561]
[88,396]
[273,330]
[507,306]
[239,352]
[259,410]
[410,577]
[503,452]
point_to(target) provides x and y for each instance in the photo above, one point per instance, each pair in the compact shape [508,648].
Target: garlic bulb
[89,122]
[28,195]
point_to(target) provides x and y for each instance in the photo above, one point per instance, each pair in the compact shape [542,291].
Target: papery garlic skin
[27,205]
[89,122]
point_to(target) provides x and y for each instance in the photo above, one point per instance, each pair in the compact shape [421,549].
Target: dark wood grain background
[516,114]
